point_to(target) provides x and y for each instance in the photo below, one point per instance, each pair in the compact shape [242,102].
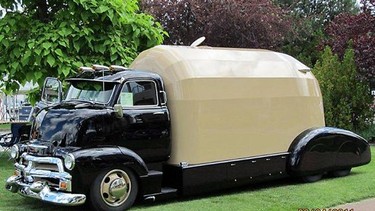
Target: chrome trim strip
[282,154]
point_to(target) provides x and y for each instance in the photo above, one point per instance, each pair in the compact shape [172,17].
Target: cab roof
[113,76]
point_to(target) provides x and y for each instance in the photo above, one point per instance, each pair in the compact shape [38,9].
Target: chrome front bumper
[43,192]
[32,180]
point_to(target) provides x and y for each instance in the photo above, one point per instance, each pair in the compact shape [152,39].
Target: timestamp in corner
[325,209]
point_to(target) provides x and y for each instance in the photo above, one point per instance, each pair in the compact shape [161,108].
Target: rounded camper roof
[195,62]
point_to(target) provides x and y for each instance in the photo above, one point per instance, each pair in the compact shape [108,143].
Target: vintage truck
[233,117]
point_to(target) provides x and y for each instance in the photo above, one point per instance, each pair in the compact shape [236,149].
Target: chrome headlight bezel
[15,152]
[69,161]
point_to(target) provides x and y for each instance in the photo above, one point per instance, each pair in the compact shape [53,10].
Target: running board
[165,193]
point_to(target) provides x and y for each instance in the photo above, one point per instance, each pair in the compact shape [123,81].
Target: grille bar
[48,169]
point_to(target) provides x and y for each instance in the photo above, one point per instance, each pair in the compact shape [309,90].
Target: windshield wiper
[87,103]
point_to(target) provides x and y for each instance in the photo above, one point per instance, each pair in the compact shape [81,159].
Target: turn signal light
[16,173]
[63,185]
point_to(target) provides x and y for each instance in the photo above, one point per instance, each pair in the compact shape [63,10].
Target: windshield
[92,91]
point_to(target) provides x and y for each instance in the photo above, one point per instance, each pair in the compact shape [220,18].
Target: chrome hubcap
[115,187]
[118,188]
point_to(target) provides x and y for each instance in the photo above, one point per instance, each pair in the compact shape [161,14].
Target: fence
[14,108]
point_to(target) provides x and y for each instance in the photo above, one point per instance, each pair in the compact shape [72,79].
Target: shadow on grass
[227,192]
[33,204]
[290,181]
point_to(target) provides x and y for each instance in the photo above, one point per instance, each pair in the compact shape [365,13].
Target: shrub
[346,98]
[368,133]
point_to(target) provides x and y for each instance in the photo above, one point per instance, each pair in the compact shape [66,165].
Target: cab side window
[138,93]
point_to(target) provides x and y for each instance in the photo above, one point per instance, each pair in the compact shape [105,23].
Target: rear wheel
[114,189]
[341,173]
[312,178]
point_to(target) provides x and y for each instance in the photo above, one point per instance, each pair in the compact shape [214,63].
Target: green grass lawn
[288,194]
[5,126]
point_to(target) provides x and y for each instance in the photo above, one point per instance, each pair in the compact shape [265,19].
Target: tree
[368,6]
[303,41]
[359,30]
[321,11]
[227,23]
[309,19]
[53,38]
[177,18]
[346,98]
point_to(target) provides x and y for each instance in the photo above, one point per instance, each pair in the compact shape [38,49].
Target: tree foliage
[228,23]
[303,41]
[368,6]
[358,29]
[308,20]
[321,11]
[40,38]
[295,27]
[346,98]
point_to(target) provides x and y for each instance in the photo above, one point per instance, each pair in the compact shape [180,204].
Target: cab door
[146,117]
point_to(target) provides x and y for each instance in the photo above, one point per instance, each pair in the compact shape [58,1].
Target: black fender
[90,161]
[20,131]
[320,150]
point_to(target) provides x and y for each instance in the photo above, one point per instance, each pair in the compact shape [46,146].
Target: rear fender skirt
[319,150]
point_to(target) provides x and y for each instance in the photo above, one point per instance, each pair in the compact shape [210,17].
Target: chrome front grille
[45,169]
[46,166]
[40,166]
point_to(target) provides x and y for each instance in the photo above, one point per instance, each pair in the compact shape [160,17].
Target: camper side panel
[230,104]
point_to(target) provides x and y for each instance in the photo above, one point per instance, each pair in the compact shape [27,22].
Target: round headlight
[69,161]
[14,152]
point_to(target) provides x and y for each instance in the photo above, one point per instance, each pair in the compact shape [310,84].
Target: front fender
[91,161]
[318,150]
[20,131]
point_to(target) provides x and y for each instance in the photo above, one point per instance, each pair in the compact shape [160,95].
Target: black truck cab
[87,116]
[110,116]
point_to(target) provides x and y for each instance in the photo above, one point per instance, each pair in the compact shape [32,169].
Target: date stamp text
[324,209]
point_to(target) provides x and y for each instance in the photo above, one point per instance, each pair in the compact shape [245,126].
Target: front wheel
[114,190]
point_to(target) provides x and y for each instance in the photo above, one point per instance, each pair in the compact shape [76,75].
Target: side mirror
[52,91]
[163,99]
[118,110]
